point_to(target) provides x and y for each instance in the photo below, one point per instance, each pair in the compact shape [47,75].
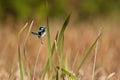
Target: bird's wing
[34,33]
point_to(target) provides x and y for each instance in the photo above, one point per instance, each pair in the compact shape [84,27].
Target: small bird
[41,32]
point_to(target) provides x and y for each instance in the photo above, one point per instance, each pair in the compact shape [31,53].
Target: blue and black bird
[41,32]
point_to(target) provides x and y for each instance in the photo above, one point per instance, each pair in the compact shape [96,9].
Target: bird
[41,32]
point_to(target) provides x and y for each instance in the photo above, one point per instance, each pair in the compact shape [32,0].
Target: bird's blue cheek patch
[41,30]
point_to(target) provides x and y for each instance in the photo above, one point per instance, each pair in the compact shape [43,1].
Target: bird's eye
[41,28]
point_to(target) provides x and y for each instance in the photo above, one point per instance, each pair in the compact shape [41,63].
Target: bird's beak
[45,27]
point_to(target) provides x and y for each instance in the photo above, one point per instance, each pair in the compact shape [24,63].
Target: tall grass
[58,45]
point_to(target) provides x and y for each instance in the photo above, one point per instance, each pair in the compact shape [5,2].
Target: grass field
[77,40]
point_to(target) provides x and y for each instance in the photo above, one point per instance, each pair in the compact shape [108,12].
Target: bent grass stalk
[22,29]
[29,31]
[35,66]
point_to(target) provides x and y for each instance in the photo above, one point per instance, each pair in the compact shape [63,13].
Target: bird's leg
[41,41]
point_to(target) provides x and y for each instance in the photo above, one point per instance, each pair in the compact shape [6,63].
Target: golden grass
[78,39]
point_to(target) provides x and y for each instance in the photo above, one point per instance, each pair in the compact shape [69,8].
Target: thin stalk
[35,66]
[75,59]
[96,52]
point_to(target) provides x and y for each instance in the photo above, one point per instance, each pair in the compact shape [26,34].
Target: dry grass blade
[26,65]
[29,31]
[110,75]
[22,29]
[35,66]
[75,59]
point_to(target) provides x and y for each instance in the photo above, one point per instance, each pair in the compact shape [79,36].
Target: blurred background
[21,10]
[86,19]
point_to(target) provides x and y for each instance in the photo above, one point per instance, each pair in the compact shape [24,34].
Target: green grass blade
[49,45]
[66,62]
[47,65]
[63,29]
[20,64]
[60,44]
[52,51]
[48,37]
[68,73]
[22,29]
[56,76]
[88,53]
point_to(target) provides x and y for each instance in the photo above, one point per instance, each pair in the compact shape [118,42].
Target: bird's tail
[34,33]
